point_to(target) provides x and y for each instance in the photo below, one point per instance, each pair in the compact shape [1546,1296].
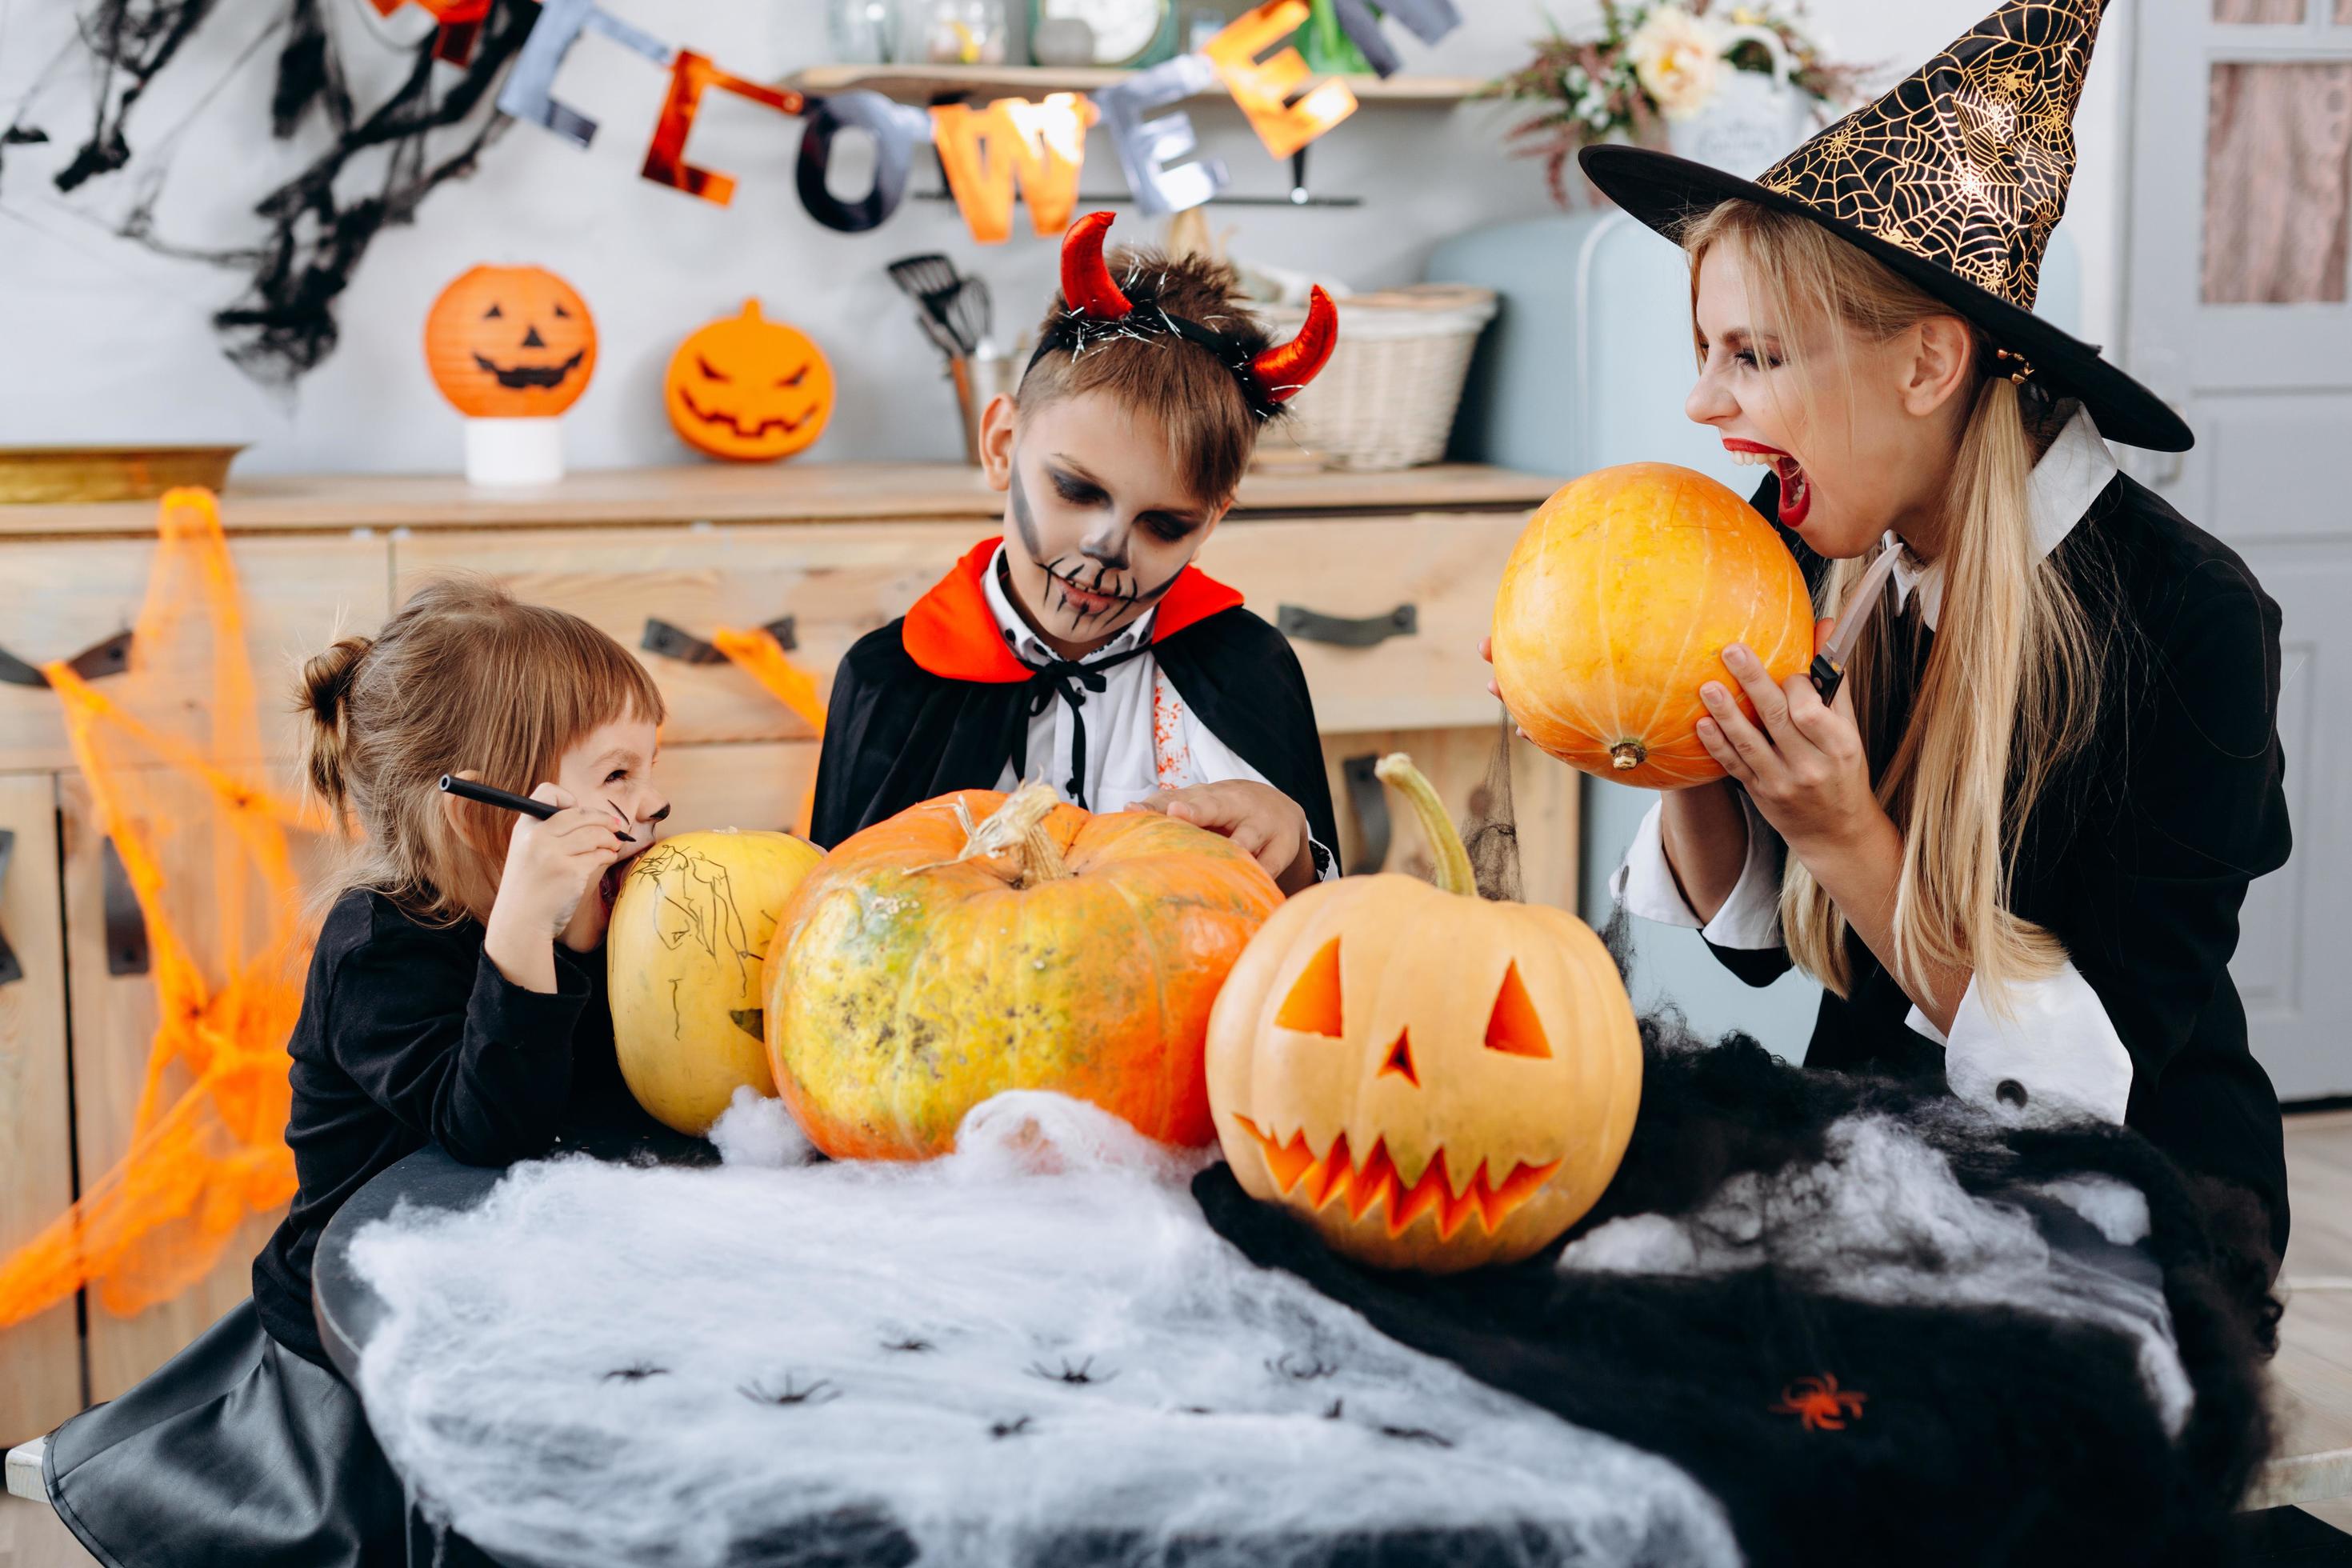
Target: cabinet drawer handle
[670,642]
[11,970]
[126,927]
[1302,624]
[1371,803]
[95,662]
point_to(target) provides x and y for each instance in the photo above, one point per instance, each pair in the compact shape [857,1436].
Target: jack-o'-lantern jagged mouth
[765,426]
[523,376]
[1336,1176]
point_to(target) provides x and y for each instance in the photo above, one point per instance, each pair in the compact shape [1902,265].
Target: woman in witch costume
[2014,844]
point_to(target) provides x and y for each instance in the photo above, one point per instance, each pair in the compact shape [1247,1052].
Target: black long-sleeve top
[2137,856]
[410,1034]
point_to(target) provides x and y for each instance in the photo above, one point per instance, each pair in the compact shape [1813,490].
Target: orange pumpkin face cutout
[749,389]
[511,342]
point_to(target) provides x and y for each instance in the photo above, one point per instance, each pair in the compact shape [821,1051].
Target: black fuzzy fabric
[1990,1435]
[375,168]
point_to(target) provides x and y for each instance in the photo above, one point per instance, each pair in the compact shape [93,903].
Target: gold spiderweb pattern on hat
[1968,160]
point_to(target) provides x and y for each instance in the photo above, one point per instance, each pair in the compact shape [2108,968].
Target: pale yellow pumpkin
[690,932]
[1434,1080]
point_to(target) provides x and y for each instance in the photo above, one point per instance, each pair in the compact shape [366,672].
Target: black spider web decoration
[378,168]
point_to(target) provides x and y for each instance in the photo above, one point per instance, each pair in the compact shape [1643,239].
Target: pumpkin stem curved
[1019,825]
[1453,873]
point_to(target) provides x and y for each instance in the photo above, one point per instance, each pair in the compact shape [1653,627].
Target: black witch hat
[1954,180]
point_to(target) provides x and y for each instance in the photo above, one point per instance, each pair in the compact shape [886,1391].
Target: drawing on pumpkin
[684,956]
[1822,1405]
[749,389]
[511,342]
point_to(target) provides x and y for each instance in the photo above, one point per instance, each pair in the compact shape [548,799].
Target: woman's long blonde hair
[2011,688]
[463,678]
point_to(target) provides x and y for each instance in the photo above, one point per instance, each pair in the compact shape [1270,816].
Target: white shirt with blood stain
[1141,736]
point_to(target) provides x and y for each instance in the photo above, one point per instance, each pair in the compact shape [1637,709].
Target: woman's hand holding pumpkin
[1801,761]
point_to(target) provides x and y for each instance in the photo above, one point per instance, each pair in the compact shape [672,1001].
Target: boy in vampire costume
[1084,647]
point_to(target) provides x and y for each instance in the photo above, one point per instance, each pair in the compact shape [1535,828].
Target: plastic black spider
[637,1373]
[820,1392]
[1082,1373]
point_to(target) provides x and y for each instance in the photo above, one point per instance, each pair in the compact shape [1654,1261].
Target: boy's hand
[1262,821]
[549,868]
[585,933]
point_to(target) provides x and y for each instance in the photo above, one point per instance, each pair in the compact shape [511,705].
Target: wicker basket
[1387,399]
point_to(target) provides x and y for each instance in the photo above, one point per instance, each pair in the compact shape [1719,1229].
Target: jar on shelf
[863,32]
[959,33]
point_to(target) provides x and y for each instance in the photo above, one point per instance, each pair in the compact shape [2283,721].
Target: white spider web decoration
[1034,1350]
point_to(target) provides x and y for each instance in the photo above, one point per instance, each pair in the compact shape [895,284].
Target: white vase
[1749,123]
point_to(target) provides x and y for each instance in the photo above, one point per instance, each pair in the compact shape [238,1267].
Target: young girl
[454,997]
[2013,849]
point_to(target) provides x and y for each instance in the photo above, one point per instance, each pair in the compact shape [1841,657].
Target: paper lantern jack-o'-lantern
[511,348]
[747,388]
[1433,1080]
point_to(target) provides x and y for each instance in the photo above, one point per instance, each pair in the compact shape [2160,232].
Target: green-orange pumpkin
[1615,608]
[982,943]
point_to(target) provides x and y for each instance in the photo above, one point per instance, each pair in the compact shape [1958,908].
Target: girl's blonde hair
[463,678]
[2011,687]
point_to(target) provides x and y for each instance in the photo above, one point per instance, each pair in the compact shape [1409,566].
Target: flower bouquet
[1657,64]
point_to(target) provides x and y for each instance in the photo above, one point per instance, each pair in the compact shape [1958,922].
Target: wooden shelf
[922,84]
[727,493]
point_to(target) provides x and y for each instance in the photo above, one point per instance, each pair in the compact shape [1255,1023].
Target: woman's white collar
[2062,486]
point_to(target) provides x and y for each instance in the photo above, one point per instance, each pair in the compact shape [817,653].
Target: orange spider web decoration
[759,655]
[178,786]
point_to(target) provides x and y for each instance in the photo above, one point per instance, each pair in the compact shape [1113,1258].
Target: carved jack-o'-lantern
[748,388]
[511,342]
[1434,1080]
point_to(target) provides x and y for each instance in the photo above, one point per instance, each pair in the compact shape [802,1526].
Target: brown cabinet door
[114,1020]
[837,582]
[64,596]
[1349,581]
[754,787]
[40,1358]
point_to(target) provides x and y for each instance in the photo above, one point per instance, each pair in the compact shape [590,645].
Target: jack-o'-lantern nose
[531,339]
[1399,1060]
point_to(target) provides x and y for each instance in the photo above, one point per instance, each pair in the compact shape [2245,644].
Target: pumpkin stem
[1453,873]
[1627,755]
[1019,825]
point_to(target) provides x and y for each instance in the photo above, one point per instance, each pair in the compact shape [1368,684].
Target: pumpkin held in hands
[982,943]
[683,954]
[1616,607]
[1433,1080]
[747,388]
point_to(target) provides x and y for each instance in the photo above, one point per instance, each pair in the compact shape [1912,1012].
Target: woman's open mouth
[1796,490]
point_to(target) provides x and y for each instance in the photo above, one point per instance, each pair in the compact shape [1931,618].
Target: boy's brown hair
[1210,430]
[463,678]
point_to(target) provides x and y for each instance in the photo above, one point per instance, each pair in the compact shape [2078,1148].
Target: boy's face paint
[1101,522]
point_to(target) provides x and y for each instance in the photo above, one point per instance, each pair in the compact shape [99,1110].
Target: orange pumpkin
[982,943]
[747,388]
[511,342]
[1432,1081]
[1616,607]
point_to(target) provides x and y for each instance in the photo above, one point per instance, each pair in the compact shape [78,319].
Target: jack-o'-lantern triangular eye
[1313,1006]
[1513,1025]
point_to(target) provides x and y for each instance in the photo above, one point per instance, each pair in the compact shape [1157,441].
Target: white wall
[101,340]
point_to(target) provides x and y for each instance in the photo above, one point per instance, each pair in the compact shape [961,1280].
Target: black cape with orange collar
[935,702]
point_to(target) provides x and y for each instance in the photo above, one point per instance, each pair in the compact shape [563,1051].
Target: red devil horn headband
[1092,296]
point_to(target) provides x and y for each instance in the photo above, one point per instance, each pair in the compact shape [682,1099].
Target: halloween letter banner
[987,154]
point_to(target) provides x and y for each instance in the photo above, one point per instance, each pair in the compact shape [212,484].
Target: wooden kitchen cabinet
[1384,583]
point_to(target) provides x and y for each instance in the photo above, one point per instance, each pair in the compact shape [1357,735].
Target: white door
[2235,310]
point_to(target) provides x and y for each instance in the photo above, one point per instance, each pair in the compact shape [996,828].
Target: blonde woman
[2014,846]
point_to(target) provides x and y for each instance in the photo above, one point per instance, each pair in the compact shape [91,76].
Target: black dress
[248,1447]
[2137,856]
